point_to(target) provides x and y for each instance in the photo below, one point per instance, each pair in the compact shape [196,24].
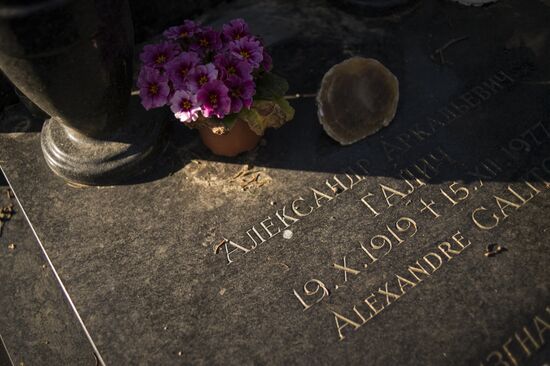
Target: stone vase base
[110,160]
[239,139]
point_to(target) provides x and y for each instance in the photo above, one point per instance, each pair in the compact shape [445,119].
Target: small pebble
[272,203]
[287,234]
[11,246]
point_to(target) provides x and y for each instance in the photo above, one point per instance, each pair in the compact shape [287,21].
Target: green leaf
[255,121]
[230,120]
[286,108]
[270,86]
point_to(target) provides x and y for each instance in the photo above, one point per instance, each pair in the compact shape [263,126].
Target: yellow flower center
[184,34]
[203,80]
[231,70]
[213,99]
[184,71]
[161,58]
[153,89]
[245,54]
[186,105]
[203,42]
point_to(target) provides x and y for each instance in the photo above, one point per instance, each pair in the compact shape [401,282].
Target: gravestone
[422,244]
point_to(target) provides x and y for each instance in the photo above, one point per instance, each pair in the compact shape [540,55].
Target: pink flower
[157,55]
[185,31]
[267,62]
[153,88]
[235,30]
[200,75]
[205,40]
[230,65]
[214,99]
[241,93]
[248,49]
[179,68]
[184,106]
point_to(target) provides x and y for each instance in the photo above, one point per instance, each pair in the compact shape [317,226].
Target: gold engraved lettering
[480,225]
[417,270]
[384,241]
[523,341]
[522,199]
[481,93]
[403,138]
[363,164]
[262,240]
[418,133]
[429,262]
[394,192]
[319,196]
[459,239]
[428,206]
[492,85]
[370,303]
[403,282]
[470,99]
[542,327]
[499,360]
[508,352]
[296,210]
[390,149]
[236,247]
[445,248]
[285,217]
[364,200]
[269,226]
[308,291]
[503,203]
[424,168]
[388,294]
[353,174]
[346,269]
[462,109]
[342,322]
[408,223]
[337,188]
[371,257]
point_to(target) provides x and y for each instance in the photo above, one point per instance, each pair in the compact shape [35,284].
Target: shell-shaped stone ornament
[357,98]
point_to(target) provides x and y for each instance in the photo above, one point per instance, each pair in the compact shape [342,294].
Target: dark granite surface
[37,324]
[138,259]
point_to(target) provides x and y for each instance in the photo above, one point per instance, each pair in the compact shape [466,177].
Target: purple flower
[230,66]
[185,31]
[267,62]
[214,99]
[184,105]
[206,39]
[235,30]
[179,68]
[157,55]
[153,88]
[248,49]
[240,92]
[201,75]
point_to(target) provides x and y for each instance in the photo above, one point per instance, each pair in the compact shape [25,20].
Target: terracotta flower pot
[239,139]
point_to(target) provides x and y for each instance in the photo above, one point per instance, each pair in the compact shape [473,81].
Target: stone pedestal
[73,59]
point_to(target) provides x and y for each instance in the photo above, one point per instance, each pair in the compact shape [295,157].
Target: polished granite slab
[423,244]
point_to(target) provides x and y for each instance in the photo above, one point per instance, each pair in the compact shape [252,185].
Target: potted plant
[218,82]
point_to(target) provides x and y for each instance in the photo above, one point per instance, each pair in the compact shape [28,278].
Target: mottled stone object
[357,98]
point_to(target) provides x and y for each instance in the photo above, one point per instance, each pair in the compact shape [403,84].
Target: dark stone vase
[73,59]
